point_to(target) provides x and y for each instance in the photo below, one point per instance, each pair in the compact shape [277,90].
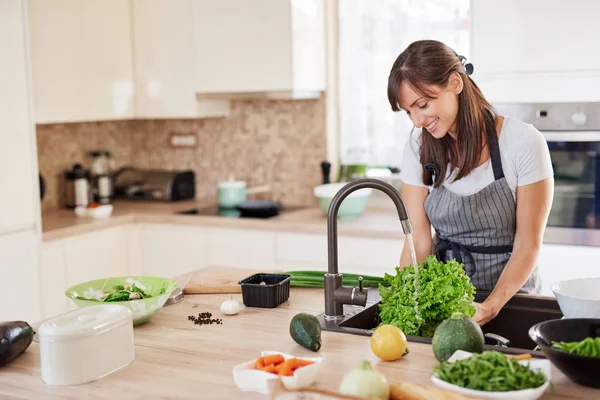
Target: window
[372,33]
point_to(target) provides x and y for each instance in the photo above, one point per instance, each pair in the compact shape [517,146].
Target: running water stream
[413,255]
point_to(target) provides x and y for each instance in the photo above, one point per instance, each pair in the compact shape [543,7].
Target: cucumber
[315,279]
[459,332]
[15,338]
[305,329]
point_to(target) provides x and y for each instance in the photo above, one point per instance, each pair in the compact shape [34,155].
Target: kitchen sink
[512,323]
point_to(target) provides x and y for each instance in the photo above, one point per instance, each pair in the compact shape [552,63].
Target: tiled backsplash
[280,143]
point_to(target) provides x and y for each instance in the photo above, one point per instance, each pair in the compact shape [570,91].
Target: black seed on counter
[205,318]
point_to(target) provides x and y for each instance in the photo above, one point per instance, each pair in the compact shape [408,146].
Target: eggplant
[15,338]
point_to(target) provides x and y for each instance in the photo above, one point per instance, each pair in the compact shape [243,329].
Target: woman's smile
[431,127]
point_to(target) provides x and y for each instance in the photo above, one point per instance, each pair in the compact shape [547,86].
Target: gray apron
[478,230]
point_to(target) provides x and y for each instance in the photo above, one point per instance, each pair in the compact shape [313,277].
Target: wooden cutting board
[217,280]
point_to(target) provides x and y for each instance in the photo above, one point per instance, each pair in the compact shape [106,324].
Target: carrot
[260,363]
[287,368]
[273,359]
[269,368]
[303,363]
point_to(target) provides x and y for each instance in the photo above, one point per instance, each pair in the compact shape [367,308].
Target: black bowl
[580,369]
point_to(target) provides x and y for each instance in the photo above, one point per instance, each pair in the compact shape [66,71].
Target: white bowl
[249,379]
[103,211]
[578,298]
[527,394]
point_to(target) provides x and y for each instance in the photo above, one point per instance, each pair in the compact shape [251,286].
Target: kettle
[77,187]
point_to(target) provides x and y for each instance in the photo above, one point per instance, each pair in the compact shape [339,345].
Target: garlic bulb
[230,307]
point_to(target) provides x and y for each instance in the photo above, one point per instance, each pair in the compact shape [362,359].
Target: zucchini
[315,279]
[15,338]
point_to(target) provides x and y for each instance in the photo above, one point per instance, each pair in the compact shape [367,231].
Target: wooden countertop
[374,222]
[176,359]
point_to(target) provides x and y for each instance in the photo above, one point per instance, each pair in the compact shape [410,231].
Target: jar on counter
[102,179]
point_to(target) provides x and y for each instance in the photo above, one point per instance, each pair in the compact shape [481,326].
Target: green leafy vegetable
[490,371]
[315,279]
[589,347]
[443,288]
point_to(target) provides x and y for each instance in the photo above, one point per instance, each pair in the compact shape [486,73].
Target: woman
[482,181]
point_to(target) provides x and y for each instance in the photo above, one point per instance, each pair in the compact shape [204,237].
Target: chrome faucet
[336,295]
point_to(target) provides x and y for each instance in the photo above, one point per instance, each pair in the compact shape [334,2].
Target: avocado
[15,338]
[305,329]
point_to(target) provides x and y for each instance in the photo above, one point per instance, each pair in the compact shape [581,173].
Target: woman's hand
[484,314]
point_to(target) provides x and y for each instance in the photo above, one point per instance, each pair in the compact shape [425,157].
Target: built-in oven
[572,131]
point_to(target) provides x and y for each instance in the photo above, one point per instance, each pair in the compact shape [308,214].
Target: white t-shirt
[523,150]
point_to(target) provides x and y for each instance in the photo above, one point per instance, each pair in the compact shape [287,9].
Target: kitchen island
[176,359]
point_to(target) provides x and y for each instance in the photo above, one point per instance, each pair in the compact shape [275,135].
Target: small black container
[265,290]
[580,369]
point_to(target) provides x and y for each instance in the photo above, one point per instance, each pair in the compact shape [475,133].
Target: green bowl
[352,206]
[158,289]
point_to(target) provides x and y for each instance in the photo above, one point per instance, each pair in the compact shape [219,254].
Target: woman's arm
[533,207]
[414,199]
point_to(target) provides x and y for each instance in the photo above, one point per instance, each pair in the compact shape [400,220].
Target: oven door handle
[571,136]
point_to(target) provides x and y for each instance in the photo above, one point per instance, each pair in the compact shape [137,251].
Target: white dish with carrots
[294,372]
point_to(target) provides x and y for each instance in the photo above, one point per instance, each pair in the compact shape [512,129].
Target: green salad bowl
[143,295]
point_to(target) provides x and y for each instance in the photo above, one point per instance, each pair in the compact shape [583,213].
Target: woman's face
[436,116]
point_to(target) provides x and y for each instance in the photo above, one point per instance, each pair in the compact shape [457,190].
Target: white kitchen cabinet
[163,42]
[172,250]
[96,255]
[241,248]
[370,256]
[561,262]
[259,46]
[536,51]
[19,265]
[82,63]
[18,155]
[53,273]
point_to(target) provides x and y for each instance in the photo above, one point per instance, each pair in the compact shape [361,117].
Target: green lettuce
[443,288]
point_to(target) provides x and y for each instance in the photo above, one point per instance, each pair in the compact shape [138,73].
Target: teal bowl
[352,206]
[153,292]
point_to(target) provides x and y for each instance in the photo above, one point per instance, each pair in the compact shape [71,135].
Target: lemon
[388,342]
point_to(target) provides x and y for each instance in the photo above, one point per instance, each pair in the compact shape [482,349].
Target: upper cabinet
[259,47]
[536,50]
[163,42]
[18,166]
[82,63]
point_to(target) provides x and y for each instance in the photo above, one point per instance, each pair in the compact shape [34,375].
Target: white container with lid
[86,344]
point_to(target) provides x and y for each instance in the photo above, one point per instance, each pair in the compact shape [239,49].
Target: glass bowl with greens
[143,295]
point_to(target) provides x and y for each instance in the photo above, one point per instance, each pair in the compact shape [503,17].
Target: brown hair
[429,62]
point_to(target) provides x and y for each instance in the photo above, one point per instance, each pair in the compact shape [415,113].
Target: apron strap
[444,245]
[493,147]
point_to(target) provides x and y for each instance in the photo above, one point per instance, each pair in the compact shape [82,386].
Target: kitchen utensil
[216,280]
[77,187]
[351,207]
[247,378]
[98,212]
[526,394]
[580,369]
[265,290]
[259,208]
[578,298]
[86,344]
[231,193]
[159,288]
[326,170]
[175,297]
